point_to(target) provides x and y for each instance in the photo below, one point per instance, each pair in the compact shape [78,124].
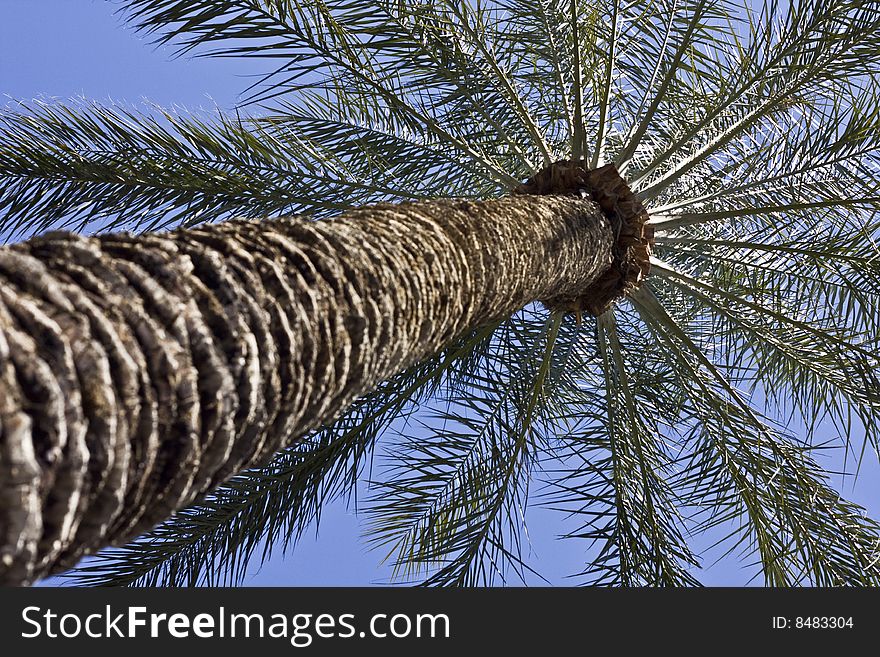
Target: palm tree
[139,373]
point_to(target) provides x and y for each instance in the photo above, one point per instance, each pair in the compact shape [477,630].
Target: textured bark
[633,235]
[137,373]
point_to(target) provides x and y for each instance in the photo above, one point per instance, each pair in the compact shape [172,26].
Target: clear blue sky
[66,48]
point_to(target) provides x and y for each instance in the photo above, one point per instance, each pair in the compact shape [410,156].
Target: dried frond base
[629,221]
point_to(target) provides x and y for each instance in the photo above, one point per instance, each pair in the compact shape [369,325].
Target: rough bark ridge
[137,373]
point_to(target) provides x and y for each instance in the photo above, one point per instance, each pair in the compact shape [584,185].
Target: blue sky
[67,48]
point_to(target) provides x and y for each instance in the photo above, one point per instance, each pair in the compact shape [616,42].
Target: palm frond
[85,164]
[745,468]
[451,500]
[799,59]
[339,49]
[620,479]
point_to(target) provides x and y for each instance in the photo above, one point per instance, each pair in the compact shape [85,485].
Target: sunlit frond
[619,479]
[452,500]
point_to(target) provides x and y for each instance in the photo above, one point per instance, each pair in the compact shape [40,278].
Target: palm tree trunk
[137,373]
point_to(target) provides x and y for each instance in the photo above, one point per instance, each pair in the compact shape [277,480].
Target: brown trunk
[137,373]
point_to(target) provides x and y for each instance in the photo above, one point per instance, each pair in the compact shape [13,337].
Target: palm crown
[750,133]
